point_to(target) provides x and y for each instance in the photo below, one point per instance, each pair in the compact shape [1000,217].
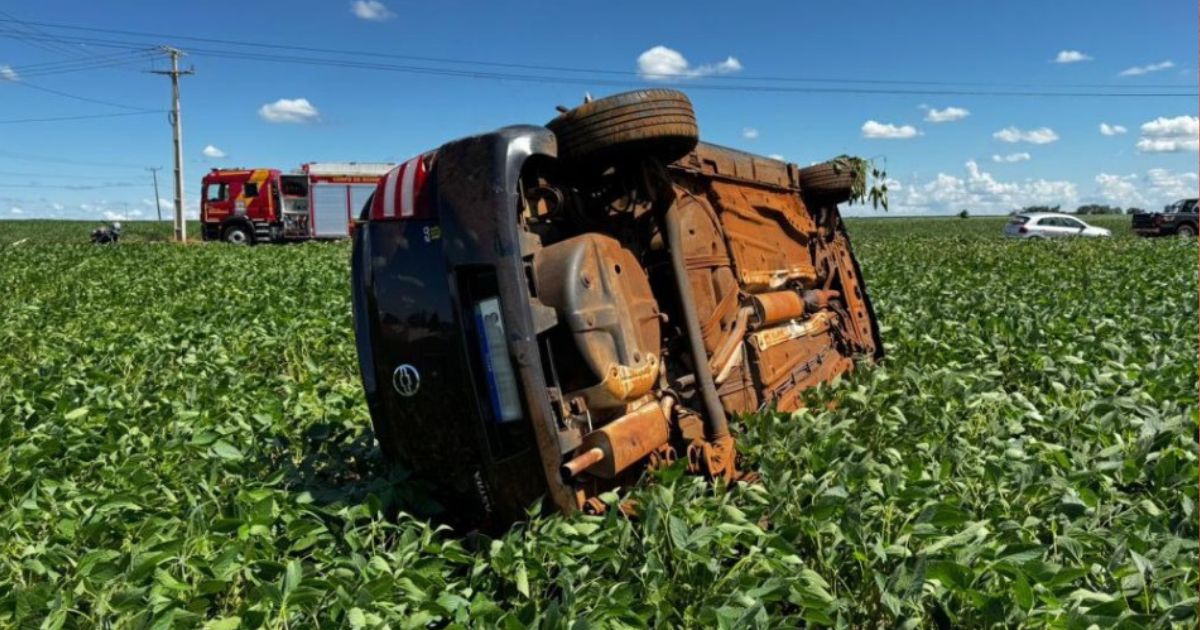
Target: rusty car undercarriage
[645,288]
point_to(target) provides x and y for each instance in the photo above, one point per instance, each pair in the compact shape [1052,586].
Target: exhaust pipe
[614,447]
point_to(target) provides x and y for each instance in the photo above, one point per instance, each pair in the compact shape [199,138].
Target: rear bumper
[415,285]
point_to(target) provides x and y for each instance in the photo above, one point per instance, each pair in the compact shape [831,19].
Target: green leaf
[225,450]
[522,579]
[224,623]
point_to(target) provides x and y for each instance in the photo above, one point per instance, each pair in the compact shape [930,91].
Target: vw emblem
[406,379]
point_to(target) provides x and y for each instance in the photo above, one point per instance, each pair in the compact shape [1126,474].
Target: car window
[1070,223]
[250,189]
[217,192]
[1047,222]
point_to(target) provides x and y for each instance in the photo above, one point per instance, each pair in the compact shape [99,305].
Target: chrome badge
[406,379]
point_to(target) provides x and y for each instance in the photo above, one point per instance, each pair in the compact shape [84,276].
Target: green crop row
[183,443]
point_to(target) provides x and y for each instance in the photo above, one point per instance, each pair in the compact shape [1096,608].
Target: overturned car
[551,310]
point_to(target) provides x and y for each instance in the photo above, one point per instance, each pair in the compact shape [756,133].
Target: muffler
[621,443]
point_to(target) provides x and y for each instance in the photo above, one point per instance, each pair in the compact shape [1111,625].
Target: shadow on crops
[344,467]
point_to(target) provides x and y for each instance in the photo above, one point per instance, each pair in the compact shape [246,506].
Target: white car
[1036,225]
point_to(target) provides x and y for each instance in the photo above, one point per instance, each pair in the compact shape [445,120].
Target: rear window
[1018,220]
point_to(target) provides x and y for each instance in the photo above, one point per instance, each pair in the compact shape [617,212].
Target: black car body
[523,330]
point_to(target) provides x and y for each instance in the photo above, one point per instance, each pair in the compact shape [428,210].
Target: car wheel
[237,234]
[660,123]
[833,181]
[1185,231]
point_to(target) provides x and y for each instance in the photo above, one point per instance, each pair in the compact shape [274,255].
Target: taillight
[1022,230]
[404,192]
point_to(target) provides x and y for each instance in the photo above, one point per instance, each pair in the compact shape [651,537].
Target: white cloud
[1171,186]
[1167,145]
[665,64]
[1071,56]
[372,10]
[876,130]
[1137,71]
[16,210]
[213,152]
[1156,188]
[776,156]
[8,74]
[1111,130]
[1012,157]
[1119,190]
[978,191]
[1041,135]
[1170,135]
[111,215]
[950,114]
[289,110]
[750,133]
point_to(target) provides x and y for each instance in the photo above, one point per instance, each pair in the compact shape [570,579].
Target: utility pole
[157,205]
[177,124]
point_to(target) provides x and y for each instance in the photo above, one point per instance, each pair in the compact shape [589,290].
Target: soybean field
[184,443]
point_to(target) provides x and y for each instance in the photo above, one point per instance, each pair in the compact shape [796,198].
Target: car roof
[1043,215]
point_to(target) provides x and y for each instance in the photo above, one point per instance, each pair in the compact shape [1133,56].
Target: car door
[1045,226]
[1071,227]
[217,202]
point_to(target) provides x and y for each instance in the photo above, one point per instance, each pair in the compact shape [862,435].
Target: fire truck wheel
[660,123]
[237,234]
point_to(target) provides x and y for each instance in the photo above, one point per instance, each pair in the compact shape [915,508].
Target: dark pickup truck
[1179,218]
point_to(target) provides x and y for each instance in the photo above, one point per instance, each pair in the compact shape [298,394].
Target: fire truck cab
[316,201]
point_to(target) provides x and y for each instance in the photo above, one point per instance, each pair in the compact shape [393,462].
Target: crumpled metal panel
[768,236]
[787,369]
[841,274]
[710,271]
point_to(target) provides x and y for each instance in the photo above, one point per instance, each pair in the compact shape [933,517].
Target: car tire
[830,182]
[237,234]
[1186,230]
[659,123]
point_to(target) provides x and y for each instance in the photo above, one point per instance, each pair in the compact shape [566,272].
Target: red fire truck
[260,205]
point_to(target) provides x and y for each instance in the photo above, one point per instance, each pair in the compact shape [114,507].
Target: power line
[33,29]
[84,98]
[61,160]
[80,117]
[37,186]
[527,78]
[30,39]
[627,83]
[50,65]
[713,82]
[61,175]
[76,65]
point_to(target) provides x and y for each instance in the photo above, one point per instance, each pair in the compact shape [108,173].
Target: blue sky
[945,152]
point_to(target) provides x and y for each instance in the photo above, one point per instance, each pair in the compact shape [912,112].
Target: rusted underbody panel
[549,332]
[771,282]
[789,264]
